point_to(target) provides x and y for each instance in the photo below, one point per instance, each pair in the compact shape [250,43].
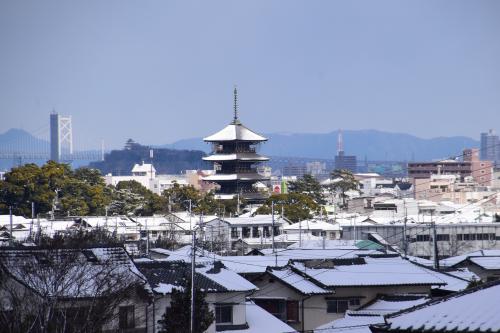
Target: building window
[266,232]
[460,237]
[443,237]
[469,237]
[255,232]
[482,236]
[292,311]
[276,231]
[276,307]
[223,313]
[126,316]
[423,238]
[337,305]
[234,232]
[355,302]
[245,232]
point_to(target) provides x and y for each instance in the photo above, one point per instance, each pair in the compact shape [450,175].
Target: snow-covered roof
[234,132]
[252,264]
[421,261]
[387,304]
[237,156]
[474,310]
[226,278]
[234,176]
[296,281]
[339,244]
[488,263]
[452,261]
[359,321]
[465,274]
[296,237]
[165,276]
[351,324]
[322,254]
[314,225]
[375,272]
[256,220]
[259,320]
[75,273]
[143,167]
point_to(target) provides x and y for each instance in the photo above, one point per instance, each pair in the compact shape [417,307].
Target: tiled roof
[488,263]
[296,281]
[70,272]
[473,310]
[164,276]
[376,272]
[234,132]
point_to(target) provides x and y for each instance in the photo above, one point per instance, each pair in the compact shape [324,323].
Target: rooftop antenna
[340,142]
[235,107]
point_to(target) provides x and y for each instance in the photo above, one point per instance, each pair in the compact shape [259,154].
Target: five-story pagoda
[235,160]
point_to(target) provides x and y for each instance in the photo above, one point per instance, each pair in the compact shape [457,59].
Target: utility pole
[274,247]
[11,243]
[32,218]
[193,272]
[300,234]
[39,230]
[147,238]
[190,226]
[435,247]
[405,242]
[272,227]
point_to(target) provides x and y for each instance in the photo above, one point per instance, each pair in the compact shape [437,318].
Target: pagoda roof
[236,157]
[235,132]
[235,176]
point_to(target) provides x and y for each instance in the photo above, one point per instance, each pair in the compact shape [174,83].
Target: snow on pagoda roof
[235,176]
[235,131]
[237,156]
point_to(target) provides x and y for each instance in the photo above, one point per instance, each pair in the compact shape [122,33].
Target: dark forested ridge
[165,161]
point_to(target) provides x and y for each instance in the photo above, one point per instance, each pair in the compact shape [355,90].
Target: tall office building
[343,161]
[490,147]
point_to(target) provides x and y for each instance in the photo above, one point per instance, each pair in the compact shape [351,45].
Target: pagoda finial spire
[235,119]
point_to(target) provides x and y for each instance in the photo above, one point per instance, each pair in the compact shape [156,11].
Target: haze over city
[163,71]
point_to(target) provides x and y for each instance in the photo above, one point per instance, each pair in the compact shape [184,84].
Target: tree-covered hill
[165,161]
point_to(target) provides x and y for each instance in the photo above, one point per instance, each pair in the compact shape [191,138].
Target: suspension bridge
[52,141]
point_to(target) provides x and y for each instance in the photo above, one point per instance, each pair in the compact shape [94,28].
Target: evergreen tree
[310,186]
[177,317]
[296,206]
[342,181]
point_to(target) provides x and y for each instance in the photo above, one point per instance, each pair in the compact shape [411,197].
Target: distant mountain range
[18,140]
[372,144]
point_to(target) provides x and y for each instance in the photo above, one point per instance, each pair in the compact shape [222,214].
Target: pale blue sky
[158,71]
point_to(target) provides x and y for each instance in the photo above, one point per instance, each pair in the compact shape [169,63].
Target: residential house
[225,291]
[96,289]
[473,310]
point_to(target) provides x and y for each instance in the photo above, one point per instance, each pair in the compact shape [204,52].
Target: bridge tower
[61,137]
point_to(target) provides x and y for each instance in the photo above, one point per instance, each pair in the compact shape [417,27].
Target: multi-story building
[346,162]
[294,171]
[490,146]
[471,165]
[234,155]
[343,161]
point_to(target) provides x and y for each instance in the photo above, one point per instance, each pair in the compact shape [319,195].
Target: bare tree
[65,290]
